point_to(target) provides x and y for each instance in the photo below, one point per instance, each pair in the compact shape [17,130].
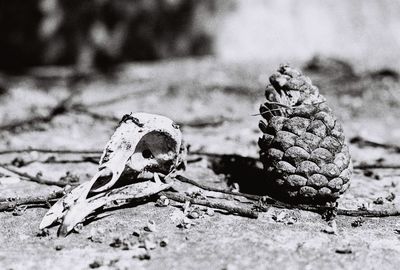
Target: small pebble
[391,197]
[18,162]
[136,233]
[194,215]
[149,244]
[358,222]
[344,250]
[164,242]
[116,242]
[331,228]
[58,247]
[19,210]
[368,173]
[43,233]
[96,235]
[151,226]
[96,264]
[145,256]
[163,201]
[378,200]
[210,212]
[78,228]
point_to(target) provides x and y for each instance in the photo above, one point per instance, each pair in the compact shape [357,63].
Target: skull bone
[142,143]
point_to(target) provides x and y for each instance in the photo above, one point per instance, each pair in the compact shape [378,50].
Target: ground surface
[214,103]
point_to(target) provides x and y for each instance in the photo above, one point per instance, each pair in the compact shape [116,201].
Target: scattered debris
[96,263]
[378,200]
[391,197]
[59,247]
[344,250]
[163,201]
[136,233]
[331,228]
[164,242]
[194,192]
[78,228]
[363,207]
[116,242]
[70,178]
[195,213]
[19,210]
[185,223]
[234,187]
[358,222]
[96,235]
[18,162]
[285,216]
[43,233]
[330,212]
[151,226]
[210,212]
[144,256]
[149,242]
[368,173]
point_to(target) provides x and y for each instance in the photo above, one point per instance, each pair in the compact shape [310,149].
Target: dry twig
[11,203]
[197,184]
[230,209]
[369,213]
[365,166]
[364,142]
[60,108]
[36,179]
[50,151]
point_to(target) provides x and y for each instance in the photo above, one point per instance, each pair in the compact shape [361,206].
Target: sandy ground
[214,103]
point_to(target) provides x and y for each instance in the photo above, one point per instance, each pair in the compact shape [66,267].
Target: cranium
[143,147]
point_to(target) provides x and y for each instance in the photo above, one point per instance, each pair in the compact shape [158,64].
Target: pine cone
[303,148]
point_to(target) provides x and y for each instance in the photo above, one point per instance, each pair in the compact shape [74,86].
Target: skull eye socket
[147,154]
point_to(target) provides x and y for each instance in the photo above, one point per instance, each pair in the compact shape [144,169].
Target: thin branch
[365,166]
[54,151]
[364,142]
[228,156]
[224,191]
[36,179]
[196,123]
[230,209]
[11,203]
[207,122]
[369,213]
[60,108]
[138,93]
[67,161]
[95,115]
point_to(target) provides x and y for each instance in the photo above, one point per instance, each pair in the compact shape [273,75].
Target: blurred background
[102,33]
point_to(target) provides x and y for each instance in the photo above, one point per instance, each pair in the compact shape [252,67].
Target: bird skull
[143,146]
